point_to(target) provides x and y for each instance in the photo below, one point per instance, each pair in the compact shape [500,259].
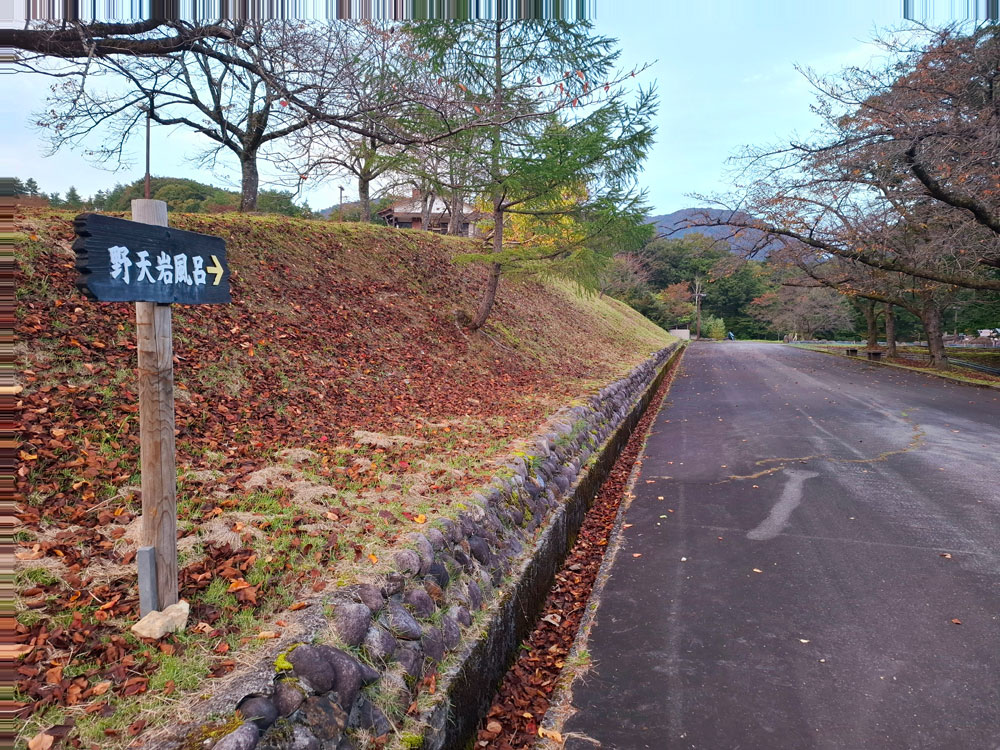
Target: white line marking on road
[782,511]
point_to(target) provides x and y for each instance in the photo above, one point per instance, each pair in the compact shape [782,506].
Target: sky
[725,71]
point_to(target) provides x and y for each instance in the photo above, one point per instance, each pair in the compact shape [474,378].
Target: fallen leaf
[757,570]
[946,555]
[636,554]
[101,687]
[627,525]
[494,726]
[297,606]
[420,518]
[549,734]
[373,558]
[956,621]
[41,741]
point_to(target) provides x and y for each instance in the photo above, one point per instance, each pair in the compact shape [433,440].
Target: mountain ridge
[686,221]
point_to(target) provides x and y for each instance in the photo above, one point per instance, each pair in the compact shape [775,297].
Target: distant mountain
[687,221]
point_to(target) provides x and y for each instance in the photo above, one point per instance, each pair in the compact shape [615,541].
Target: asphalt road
[784,579]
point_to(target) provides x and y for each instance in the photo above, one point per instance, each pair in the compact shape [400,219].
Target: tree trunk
[455,217]
[250,184]
[486,304]
[871,320]
[425,211]
[930,316]
[890,330]
[364,198]
[490,296]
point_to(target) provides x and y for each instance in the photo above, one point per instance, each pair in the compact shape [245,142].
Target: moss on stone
[197,738]
[412,741]
[281,663]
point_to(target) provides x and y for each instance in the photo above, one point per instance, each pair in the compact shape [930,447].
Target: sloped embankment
[332,408]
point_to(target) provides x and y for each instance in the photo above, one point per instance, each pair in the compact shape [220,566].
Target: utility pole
[341,202]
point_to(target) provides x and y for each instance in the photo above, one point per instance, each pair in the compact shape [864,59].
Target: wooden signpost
[146,262]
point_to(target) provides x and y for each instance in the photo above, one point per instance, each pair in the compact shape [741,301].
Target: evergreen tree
[561,142]
[73,199]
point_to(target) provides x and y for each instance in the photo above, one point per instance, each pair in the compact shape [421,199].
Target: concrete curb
[469,688]
[920,370]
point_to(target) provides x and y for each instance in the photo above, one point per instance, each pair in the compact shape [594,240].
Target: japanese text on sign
[169,269]
[127,261]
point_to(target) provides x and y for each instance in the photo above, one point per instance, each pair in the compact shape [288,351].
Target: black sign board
[127,261]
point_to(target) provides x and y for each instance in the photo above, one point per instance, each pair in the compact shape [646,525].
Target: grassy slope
[333,328]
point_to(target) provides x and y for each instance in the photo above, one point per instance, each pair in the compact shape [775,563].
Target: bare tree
[802,312]
[97,106]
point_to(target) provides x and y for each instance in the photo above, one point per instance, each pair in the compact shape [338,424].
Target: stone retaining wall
[463,595]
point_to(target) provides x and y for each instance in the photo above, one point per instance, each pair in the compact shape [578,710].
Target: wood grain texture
[156,426]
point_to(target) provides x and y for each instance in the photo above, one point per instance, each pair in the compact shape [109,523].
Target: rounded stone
[259,709]
[451,632]
[312,669]
[439,573]
[351,622]
[411,658]
[349,677]
[450,530]
[245,737]
[461,615]
[462,559]
[400,623]
[371,597]
[407,562]
[475,595]
[366,715]
[420,602]
[287,697]
[324,718]
[479,549]
[433,643]
[379,644]
[436,538]
[423,548]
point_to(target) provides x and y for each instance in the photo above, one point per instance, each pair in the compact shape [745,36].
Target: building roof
[413,208]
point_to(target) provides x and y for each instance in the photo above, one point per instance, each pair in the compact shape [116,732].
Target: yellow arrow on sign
[216,269]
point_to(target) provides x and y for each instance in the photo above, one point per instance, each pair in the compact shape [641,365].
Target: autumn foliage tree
[894,198]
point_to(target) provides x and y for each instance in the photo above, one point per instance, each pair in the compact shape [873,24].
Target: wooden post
[156,426]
